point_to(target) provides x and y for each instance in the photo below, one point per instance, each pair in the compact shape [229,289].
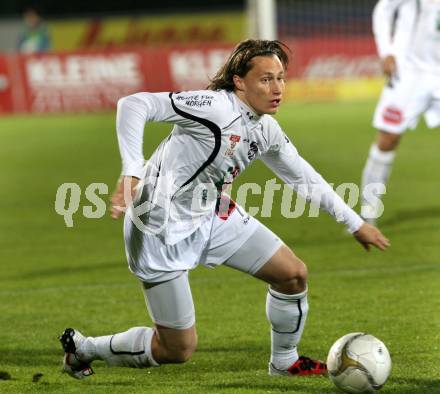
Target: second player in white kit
[407,35]
[182,215]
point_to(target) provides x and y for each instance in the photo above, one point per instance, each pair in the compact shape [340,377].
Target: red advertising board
[89,81]
[5,87]
[74,82]
[96,80]
[334,57]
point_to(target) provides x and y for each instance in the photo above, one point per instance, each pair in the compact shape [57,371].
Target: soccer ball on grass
[359,363]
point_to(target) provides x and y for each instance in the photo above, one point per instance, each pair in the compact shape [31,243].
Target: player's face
[262,87]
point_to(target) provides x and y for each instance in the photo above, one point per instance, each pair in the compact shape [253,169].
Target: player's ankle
[86,350]
[283,363]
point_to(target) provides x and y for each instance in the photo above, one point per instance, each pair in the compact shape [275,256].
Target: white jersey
[409,30]
[214,138]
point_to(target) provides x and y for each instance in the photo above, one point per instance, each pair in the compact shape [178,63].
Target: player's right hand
[389,66]
[124,193]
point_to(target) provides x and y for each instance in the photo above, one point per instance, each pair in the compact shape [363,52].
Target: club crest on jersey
[392,115]
[233,140]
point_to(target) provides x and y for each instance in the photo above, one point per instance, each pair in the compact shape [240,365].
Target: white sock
[378,166]
[287,315]
[376,172]
[131,348]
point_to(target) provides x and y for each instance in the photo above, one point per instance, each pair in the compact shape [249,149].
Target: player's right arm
[190,110]
[125,184]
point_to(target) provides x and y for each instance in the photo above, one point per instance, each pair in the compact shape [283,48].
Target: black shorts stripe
[211,126]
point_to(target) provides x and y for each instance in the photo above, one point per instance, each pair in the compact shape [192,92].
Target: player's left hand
[369,235]
[126,184]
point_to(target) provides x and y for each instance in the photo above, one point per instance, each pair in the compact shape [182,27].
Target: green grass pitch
[52,276]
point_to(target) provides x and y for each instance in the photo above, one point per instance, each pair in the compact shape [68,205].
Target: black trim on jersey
[416,17]
[298,303]
[418,7]
[230,124]
[160,163]
[211,126]
[129,353]
[262,133]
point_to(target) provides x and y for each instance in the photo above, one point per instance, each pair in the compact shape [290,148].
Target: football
[359,363]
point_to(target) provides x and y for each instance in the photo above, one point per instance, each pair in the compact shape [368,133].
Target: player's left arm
[285,161]
[369,235]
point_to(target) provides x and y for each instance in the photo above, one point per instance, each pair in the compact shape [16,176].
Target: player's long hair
[239,62]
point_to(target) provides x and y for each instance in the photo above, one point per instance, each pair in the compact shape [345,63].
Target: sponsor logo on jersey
[392,115]
[196,100]
[233,140]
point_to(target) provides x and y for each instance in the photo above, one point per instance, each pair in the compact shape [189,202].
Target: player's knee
[183,355]
[181,352]
[300,272]
[294,278]
[285,272]
[179,349]
[387,141]
[297,276]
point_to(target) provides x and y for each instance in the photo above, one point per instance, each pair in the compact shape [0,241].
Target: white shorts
[153,261]
[169,300]
[405,98]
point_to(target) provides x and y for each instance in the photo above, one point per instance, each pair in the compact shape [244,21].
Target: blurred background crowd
[84,55]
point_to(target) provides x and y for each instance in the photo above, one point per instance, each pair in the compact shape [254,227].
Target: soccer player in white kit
[407,35]
[186,218]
